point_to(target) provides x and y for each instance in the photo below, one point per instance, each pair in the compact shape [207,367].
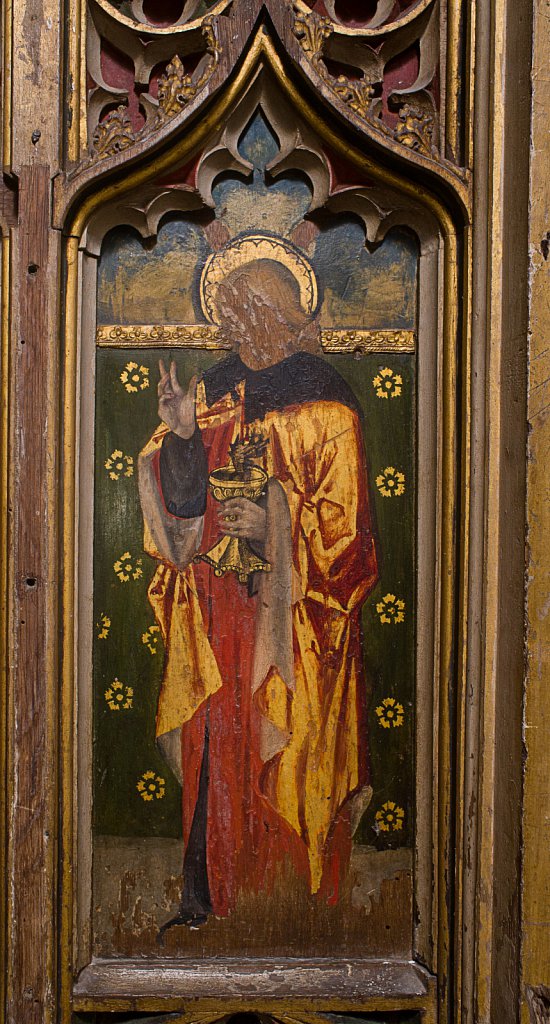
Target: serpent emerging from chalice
[242,477]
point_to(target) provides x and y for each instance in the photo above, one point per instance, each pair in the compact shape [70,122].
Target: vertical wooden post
[33,161]
[535,979]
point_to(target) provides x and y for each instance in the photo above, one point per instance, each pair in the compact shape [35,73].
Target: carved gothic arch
[155,115]
[391,185]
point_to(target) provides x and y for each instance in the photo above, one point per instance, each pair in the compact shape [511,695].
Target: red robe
[286,710]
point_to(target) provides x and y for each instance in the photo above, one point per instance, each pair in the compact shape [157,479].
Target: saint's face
[233,318]
[249,322]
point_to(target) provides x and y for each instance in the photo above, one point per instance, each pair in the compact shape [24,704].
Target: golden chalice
[241,478]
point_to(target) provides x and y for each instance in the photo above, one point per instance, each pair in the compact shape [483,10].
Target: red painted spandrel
[118,71]
[355,13]
[186,175]
[400,73]
[360,13]
[343,174]
[116,67]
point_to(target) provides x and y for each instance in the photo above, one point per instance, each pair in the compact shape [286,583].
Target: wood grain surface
[491,838]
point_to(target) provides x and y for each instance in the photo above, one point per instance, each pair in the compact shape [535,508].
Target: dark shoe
[193,921]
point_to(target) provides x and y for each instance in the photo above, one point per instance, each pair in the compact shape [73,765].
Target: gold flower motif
[135,378]
[118,696]
[126,567]
[390,482]
[387,383]
[391,609]
[151,638]
[390,713]
[390,817]
[118,464]
[150,785]
[103,626]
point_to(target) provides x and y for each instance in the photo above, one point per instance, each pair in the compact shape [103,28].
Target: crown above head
[247,249]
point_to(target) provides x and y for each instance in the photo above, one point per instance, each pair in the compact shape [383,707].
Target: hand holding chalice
[238,486]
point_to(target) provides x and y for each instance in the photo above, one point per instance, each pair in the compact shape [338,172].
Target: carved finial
[175,89]
[114,133]
[416,126]
[416,129]
[311,31]
[212,45]
[357,93]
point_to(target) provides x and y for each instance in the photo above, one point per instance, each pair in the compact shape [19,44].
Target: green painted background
[360,287]
[124,740]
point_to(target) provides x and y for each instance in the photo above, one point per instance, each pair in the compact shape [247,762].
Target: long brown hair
[268,284]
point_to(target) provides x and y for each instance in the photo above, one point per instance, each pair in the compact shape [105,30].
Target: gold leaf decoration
[176,88]
[312,30]
[119,697]
[387,383]
[391,610]
[416,129]
[390,713]
[118,464]
[390,817]
[207,336]
[151,786]
[135,378]
[114,133]
[358,94]
[416,124]
[151,638]
[391,482]
[103,626]
[128,568]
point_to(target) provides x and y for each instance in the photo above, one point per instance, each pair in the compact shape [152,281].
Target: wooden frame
[104,984]
[431,445]
[488,583]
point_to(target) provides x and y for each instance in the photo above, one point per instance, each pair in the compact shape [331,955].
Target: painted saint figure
[262,709]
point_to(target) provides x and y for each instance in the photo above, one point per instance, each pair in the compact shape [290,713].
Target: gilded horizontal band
[206,336]
[367,341]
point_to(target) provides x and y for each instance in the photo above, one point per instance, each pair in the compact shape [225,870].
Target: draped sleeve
[326,483]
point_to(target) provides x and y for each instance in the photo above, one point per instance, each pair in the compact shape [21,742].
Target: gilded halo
[244,250]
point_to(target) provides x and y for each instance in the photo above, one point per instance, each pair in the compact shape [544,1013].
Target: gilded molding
[360,342]
[161,335]
[67,189]
[207,336]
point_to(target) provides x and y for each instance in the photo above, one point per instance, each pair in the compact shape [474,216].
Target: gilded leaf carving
[114,133]
[370,51]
